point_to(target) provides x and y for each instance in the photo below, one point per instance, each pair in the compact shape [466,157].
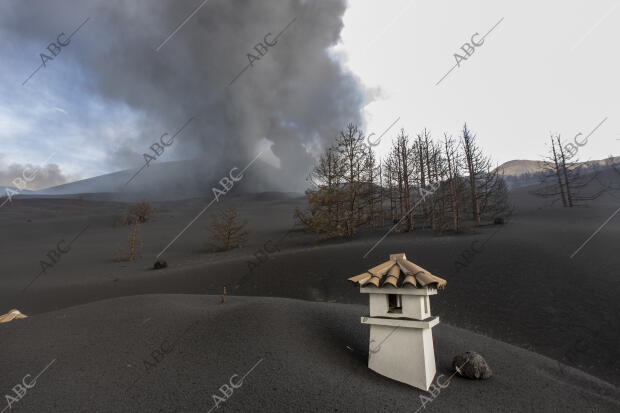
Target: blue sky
[56,113]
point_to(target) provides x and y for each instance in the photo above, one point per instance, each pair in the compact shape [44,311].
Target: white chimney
[401,339]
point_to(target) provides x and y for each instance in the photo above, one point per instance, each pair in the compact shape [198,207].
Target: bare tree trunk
[400,187]
[452,184]
[391,192]
[422,176]
[403,141]
[569,198]
[470,159]
[381,189]
[370,166]
[428,169]
[557,171]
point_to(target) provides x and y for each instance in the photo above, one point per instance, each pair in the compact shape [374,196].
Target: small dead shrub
[143,211]
[133,248]
[122,220]
[228,230]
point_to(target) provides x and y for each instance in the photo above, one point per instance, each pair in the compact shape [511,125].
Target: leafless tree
[403,150]
[454,182]
[381,197]
[565,177]
[371,170]
[487,189]
[326,196]
[351,148]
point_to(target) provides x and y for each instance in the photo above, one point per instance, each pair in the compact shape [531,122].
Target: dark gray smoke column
[295,94]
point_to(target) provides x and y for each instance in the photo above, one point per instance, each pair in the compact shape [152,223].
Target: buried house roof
[398,272]
[11,315]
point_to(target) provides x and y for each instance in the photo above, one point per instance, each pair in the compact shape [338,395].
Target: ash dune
[503,293]
[306,357]
[88,304]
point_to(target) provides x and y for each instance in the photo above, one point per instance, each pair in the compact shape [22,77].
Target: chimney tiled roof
[399,273]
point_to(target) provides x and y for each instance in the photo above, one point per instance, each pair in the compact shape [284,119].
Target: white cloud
[523,82]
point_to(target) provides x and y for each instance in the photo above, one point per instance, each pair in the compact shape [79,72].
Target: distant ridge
[519,167]
[163,181]
[3,190]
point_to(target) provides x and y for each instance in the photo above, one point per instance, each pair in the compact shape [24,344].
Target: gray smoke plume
[30,177]
[294,95]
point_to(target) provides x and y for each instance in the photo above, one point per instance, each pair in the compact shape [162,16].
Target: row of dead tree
[421,183]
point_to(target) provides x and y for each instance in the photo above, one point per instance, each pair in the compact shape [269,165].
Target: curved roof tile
[398,273]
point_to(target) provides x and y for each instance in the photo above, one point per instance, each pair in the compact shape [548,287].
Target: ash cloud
[295,94]
[34,176]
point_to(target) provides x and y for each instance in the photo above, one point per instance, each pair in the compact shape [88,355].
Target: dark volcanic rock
[472,365]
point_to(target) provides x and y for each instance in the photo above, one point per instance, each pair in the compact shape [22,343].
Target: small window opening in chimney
[394,304]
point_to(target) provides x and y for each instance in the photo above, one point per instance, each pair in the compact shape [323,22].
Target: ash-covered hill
[174,352]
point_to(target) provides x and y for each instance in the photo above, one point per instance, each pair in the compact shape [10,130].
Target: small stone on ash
[472,365]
